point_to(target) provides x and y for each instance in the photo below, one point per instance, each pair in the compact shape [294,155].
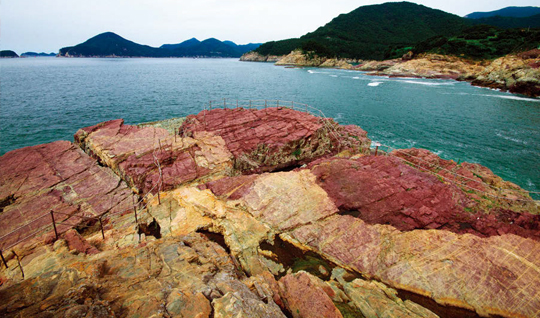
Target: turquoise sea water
[46,99]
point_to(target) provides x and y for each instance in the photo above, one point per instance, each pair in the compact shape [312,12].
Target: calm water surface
[46,99]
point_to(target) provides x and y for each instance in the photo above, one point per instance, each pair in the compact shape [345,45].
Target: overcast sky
[48,25]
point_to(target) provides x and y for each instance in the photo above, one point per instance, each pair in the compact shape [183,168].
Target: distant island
[34,54]
[109,44]
[8,54]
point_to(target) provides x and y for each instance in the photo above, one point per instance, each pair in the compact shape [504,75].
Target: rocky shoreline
[259,213]
[515,73]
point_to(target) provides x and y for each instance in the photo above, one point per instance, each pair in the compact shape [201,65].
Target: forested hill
[516,12]
[111,44]
[370,32]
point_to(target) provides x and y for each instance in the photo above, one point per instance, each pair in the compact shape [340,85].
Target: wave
[427,83]
[499,134]
[356,77]
[333,76]
[512,97]
[374,83]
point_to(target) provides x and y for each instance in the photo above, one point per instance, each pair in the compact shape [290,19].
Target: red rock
[232,187]
[385,190]
[275,138]
[57,176]
[76,242]
[150,159]
[303,298]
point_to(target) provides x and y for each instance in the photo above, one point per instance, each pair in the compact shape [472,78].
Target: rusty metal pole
[3,259]
[54,224]
[376,150]
[101,225]
[159,198]
[18,261]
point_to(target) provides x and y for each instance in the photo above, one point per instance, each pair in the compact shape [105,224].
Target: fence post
[18,261]
[101,225]
[224,104]
[135,209]
[237,103]
[3,259]
[249,104]
[54,224]
[306,108]
[265,104]
[277,103]
[210,106]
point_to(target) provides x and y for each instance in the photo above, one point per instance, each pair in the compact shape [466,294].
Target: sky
[48,25]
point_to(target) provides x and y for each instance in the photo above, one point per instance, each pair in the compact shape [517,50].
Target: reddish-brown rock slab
[232,188]
[385,190]
[150,159]
[274,138]
[56,177]
[478,182]
[499,275]
[303,298]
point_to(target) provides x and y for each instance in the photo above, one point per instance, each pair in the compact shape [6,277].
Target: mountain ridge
[110,44]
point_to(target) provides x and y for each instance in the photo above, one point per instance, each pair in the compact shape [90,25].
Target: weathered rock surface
[56,177]
[177,277]
[385,190]
[299,58]
[150,159]
[274,138]
[492,276]
[217,243]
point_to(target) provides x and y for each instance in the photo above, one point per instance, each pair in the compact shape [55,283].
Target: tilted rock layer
[339,233]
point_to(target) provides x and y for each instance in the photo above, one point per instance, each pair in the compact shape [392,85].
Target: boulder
[303,298]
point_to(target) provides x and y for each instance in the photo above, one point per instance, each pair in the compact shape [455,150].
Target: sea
[48,99]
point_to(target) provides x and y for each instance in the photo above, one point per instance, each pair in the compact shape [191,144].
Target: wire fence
[60,226]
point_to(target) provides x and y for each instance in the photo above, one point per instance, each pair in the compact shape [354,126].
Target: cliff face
[259,213]
[299,58]
[256,57]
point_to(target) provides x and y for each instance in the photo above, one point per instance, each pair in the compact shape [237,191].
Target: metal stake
[18,261]
[101,225]
[3,259]
[54,224]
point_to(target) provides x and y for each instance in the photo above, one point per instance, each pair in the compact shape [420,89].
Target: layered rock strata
[151,159]
[275,137]
[346,235]
[57,177]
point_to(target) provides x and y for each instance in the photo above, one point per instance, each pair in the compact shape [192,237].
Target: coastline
[515,73]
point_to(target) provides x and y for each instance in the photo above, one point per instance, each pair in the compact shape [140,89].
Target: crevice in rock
[216,238]
[10,199]
[348,311]
[440,310]
[294,259]
[87,227]
[151,228]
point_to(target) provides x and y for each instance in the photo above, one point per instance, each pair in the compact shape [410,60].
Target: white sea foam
[427,83]
[500,134]
[311,72]
[374,83]
[512,97]
[333,76]
[356,77]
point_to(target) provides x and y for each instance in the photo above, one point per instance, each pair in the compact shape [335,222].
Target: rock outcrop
[57,177]
[299,58]
[260,213]
[275,138]
[256,57]
[516,73]
[151,159]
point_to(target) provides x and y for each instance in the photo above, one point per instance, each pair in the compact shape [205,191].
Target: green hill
[368,31]
[111,44]
[480,42]
[8,54]
[379,31]
[516,12]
